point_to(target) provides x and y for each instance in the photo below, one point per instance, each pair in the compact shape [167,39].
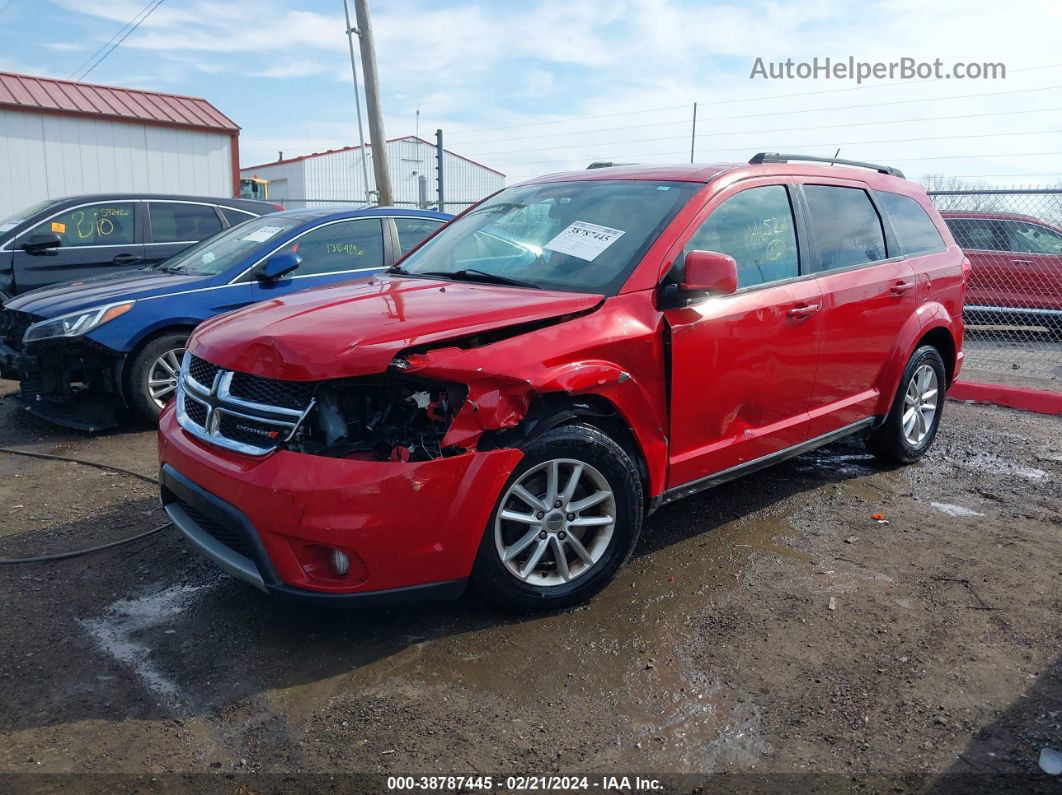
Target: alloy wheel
[920,404]
[162,377]
[555,522]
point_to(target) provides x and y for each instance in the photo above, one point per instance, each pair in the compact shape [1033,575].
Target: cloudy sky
[533,86]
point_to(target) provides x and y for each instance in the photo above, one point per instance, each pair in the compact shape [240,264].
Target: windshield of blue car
[17,218]
[581,236]
[220,252]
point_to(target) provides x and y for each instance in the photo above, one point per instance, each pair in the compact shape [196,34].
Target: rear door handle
[901,287]
[803,310]
[1022,261]
[125,259]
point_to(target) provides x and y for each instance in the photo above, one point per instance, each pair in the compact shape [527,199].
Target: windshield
[220,252]
[584,236]
[17,218]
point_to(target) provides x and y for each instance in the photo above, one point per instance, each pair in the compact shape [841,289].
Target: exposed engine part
[385,418]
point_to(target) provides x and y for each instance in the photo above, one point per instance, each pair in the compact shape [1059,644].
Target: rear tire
[549,543]
[152,380]
[913,420]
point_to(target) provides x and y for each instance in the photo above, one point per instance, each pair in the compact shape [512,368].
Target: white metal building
[61,138]
[337,176]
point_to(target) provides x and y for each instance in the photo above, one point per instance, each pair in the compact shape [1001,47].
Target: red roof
[367,146]
[69,98]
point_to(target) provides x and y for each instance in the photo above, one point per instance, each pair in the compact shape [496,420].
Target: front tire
[567,519]
[912,422]
[152,381]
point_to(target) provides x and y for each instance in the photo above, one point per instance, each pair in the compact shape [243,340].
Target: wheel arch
[125,363]
[553,409]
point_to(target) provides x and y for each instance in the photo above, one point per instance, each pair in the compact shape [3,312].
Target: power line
[800,145]
[135,23]
[762,131]
[731,101]
[891,160]
[777,113]
[3,8]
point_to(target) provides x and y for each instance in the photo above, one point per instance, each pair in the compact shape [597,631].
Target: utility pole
[380,165]
[439,168]
[357,101]
[693,132]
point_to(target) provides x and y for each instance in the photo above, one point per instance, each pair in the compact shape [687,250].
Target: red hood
[357,328]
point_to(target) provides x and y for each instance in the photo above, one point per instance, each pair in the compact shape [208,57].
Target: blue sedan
[82,349]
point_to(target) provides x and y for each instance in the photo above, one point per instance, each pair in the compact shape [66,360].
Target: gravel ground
[768,627]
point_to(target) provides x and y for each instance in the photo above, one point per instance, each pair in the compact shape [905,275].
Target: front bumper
[47,375]
[412,529]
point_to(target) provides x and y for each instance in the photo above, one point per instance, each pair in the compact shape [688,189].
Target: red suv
[1017,268]
[512,400]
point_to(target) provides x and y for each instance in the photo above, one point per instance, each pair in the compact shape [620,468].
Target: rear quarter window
[916,230]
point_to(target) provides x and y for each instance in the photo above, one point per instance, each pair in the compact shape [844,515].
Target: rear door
[984,241]
[97,239]
[173,226]
[868,294]
[743,365]
[410,231]
[331,252]
[1034,275]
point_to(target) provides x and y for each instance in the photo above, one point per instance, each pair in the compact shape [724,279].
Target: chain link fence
[1013,238]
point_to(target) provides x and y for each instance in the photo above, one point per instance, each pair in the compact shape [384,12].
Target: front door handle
[803,310]
[125,259]
[1022,261]
[901,287]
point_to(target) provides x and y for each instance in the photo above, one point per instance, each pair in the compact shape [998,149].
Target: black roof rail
[775,157]
[607,164]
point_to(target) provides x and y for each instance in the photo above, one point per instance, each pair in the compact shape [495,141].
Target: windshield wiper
[474,275]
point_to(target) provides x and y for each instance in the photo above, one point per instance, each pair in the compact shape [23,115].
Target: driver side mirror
[704,273]
[42,243]
[709,272]
[278,265]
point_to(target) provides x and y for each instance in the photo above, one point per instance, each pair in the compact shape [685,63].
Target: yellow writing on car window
[350,249]
[97,225]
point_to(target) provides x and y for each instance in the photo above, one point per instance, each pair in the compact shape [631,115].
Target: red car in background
[511,400]
[1017,268]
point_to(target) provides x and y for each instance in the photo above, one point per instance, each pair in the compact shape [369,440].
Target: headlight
[76,323]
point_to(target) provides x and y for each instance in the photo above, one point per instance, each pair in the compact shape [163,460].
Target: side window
[174,222]
[233,217]
[756,228]
[918,234]
[412,230]
[109,224]
[977,233]
[1032,238]
[343,246]
[846,226]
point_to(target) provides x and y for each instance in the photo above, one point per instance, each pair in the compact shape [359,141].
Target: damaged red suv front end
[326,445]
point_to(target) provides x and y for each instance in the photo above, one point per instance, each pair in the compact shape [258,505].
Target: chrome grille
[202,371]
[252,420]
[270,392]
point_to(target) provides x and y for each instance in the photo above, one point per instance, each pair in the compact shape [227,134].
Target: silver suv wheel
[920,404]
[555,522]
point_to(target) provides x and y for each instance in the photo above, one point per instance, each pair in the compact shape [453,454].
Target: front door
[743,365]
[96,239]
[331,252]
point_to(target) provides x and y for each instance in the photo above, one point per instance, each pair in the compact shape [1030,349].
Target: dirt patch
[770,626]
